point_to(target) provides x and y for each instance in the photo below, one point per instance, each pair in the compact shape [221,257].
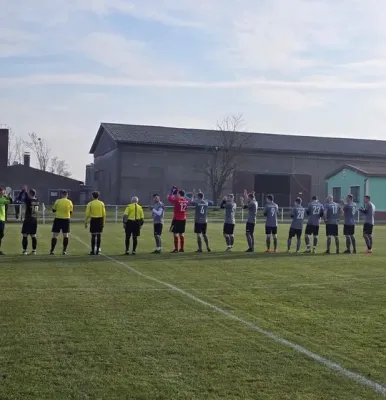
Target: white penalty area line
[376,387]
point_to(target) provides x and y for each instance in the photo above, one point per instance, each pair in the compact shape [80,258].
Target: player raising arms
[229,205]
[369,211]
[331,217]
[271,210]
[296,227]
[96,216]
[315,212]
[4,201]
[200,220]
[158,211]
[349,213]
[30,222]
[177,198]
[251,206]
[63,209]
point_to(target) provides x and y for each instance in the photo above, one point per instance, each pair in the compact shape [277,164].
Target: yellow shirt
[63,208]
[95,209]
[133,212]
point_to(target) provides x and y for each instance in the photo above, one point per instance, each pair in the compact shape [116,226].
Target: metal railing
[114,213]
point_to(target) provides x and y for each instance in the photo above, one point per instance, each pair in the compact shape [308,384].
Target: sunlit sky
[311,67]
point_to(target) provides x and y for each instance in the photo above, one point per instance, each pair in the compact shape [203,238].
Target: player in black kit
[30,223]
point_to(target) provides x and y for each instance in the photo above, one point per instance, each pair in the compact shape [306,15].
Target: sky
[307,67]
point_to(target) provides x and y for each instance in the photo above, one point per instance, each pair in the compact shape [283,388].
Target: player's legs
[55,233]
[291,234]
[199,242]
[205,236]
[182,242]
[368,236]
[127,240]
[298,240]
[316,238]
[157,237]
[249,235]
[268,232]
[347,232]
[307,238]
[135,243]
[227,237]
[274,234]
[2,228]
[65,232]
[335,233]
[34,241]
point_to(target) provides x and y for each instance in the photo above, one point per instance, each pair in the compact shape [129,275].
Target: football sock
[298,244]
[65,243]
[206,240]
[348,242]
[156,238]
[367,241]
[53,244]
[252,240]
[289,241]
[24,243]
[176,242]
[249,240]
[354,243]
[199,242]
[93,240]
[371,241]
[232,240]
[268,241]
[307,241]
[182,242]
[160,241]
[315,241]
[34,242]
[135,243]
[98,242]
[275,243]
[227,240]
[328,243]
[127,242]
[337,243]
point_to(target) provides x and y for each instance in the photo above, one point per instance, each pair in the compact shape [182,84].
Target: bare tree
[59,167]
[15,149]
[41,150]
[223,158]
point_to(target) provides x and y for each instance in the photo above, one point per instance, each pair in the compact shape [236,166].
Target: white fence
[115,212]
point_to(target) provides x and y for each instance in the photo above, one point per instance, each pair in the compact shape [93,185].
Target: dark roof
[361,169]
[183,137]
[41,172]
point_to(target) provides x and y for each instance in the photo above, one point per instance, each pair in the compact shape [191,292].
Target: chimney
[4,137]
[27,159]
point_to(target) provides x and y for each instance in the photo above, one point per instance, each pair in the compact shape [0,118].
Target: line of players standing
[331,212]
[133,220]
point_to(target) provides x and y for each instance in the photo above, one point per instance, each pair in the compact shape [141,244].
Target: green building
[358,180]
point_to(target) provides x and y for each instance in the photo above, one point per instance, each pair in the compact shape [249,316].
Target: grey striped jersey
[201,211]
[349,211]
[315,211]
[270,211]
[332,211]
[297,216]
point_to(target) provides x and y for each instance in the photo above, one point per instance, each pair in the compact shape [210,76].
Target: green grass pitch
[75,327]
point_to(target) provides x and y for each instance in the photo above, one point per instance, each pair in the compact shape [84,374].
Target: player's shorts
[312,230]
[178,226]
[133,228]
[271,230]
[30,226]
[158,229]
[250,228]
[332,230]
[61,225]
[368,229]
[295,232]
[200,227]
[96,225]
[349,230]
[228,229]
[2,227]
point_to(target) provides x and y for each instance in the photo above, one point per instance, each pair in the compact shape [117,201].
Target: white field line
[376,387]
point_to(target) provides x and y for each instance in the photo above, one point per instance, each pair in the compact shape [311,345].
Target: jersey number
[316,210]
[183,206]
[273,211]
[335,209]
[354,211]
[202,211]
[301,214]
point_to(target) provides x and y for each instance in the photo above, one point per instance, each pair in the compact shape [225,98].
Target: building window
[337,193]
[355,191]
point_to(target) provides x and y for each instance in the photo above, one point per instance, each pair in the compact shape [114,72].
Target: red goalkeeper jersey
[180,207]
